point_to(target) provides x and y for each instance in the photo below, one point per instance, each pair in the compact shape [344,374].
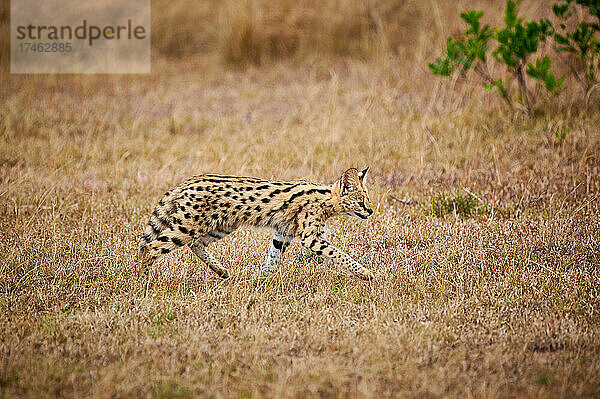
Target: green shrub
[582,42]
[516,45]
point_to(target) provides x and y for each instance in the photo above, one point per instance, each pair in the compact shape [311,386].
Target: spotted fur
[208,207]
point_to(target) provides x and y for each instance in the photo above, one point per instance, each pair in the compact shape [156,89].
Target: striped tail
[160,220]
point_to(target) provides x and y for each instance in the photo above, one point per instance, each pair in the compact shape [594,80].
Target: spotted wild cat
[208,207]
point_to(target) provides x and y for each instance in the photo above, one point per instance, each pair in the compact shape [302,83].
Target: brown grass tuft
[257,31]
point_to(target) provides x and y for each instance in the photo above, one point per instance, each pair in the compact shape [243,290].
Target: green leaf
[441,67]
[472,18]
[560,39]
[501,87]
[562,9]
[541,71]
[510,16]
[551,83]
[464,51]
[559,10]
[519,39]
[562,134]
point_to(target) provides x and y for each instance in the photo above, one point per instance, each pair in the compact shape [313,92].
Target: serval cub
[206,208]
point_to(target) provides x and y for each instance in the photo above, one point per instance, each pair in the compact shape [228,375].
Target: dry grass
[499,302]
[256,32]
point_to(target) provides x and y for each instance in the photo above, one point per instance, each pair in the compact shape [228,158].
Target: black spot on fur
[165,251]
[290,188]
[177,241]
[183,230]
[163,238]
[302,193]
[219,180]
[215,235]
[155,228]
[172,209]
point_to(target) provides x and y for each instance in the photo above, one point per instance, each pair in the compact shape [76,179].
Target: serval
[206,208]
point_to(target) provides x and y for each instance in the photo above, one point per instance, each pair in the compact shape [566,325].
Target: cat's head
[353,195]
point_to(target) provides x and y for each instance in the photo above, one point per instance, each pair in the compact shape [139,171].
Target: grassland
[485,237]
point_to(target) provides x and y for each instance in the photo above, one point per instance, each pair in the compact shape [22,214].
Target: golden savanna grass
[485,237]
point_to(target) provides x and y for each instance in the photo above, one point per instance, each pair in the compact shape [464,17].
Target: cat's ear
[349,181]
[362,175]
